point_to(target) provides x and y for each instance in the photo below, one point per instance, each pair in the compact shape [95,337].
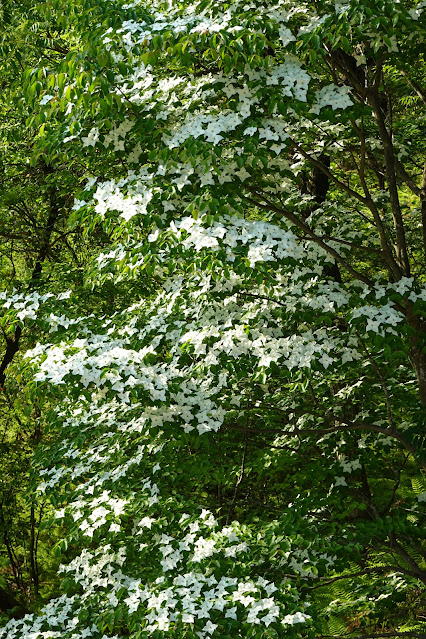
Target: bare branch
[415,86]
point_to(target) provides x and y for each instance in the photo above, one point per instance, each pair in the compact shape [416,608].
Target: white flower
[46,98]
[340,481]
[298,617]
[231,613]
[325,360]
[242,174]
[286,36]
[91,138]
[114,528]
[210,627]
[64,296]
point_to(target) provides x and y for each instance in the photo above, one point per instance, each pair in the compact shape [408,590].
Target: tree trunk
[419,362]
[417,351]
[33,551]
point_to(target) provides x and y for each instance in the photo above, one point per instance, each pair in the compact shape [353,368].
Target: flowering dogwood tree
[237,449]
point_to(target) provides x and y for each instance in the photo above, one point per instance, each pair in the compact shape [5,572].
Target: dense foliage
[219,323]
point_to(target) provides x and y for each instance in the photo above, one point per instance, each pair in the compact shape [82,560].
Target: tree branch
[360,573]
[366,201]
[270,206]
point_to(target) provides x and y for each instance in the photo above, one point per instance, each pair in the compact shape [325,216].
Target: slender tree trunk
[33,551]
[14,565]
[418,346]
[423,208]
[317,184]
[12,343]
[392,184]
[419,362]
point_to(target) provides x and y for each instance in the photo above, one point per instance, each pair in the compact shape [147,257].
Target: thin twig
[360,573]
[238,482]
[381,378]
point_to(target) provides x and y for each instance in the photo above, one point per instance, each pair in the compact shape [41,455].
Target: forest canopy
[212,314]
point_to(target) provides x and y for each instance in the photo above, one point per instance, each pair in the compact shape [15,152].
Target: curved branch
[360,573]
[270,206]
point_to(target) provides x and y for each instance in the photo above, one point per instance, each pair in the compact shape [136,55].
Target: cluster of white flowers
[380,319]
[190,596]
[210,126]
[296,351]
[406,287]
[31,305]
[349,465]
[194,597]
[58,618]
[109,197]
[262,238]
[292,80]
[417,12]
[117,135]
[332,95]
[26,304]
[291,77]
